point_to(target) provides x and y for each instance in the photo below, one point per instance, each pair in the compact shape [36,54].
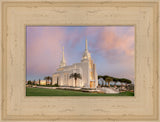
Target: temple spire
[86,54]
[63,61]
[86,48]
[63,54]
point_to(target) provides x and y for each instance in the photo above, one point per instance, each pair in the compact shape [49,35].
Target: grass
[58,92]
[49,85]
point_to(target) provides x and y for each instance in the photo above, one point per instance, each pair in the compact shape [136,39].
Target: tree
[124,80]
[34,82]
[47,78]
[29,82]
[51,80]
[103,83]
[108,80]
[121,80]
[99,76]
[115,80]
[75,76]
[39,81]
[127,82]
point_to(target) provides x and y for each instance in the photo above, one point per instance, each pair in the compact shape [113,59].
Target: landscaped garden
[59,92]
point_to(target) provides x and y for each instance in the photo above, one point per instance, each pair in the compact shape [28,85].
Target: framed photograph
[104,57]
[80,60]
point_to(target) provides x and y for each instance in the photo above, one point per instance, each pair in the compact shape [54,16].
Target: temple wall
[84,68]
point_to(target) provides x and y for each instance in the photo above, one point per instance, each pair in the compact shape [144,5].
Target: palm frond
[75,75]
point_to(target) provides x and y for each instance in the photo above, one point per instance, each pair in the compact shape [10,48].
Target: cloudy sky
[111,48]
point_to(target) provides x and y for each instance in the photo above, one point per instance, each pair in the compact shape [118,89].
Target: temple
[86,69]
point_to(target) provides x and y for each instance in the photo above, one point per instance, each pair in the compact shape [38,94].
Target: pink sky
[111,48]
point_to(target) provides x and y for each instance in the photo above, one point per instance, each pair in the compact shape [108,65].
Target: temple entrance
[92,84]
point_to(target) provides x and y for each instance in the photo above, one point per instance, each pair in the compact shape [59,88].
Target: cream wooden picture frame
[16,14]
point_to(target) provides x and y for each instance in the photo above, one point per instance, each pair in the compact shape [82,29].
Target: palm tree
[39,81]
[108,80]
[75,76]
[47,78]
[51,80]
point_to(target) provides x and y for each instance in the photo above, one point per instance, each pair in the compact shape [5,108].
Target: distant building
[42,82]
[86,68]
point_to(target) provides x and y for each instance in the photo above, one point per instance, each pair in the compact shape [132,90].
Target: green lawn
[58,92]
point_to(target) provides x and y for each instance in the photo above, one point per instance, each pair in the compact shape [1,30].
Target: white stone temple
[86,68]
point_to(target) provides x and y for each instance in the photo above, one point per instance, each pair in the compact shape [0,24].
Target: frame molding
[8,57]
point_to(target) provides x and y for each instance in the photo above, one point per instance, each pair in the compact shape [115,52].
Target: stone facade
[86,68]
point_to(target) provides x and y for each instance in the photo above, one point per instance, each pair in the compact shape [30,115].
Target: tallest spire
[86,46]
[86,54]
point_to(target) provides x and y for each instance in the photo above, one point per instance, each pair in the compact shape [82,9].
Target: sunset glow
[111,48]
